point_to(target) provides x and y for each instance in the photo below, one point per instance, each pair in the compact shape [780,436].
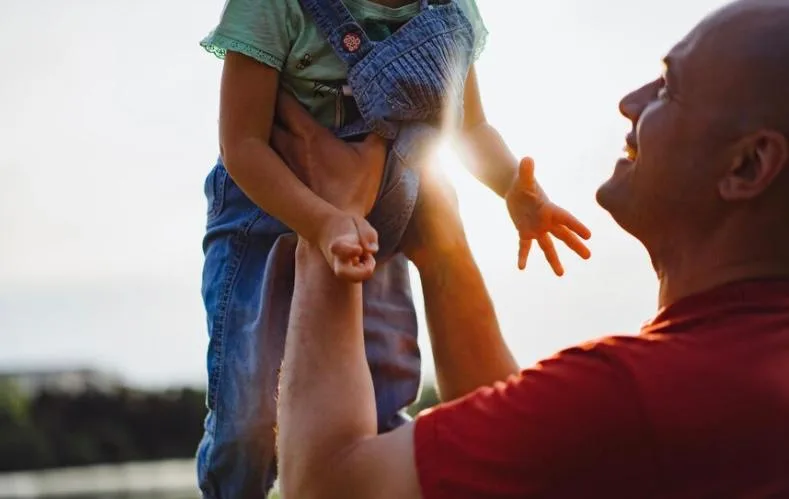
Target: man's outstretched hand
[347,175]
[435,231]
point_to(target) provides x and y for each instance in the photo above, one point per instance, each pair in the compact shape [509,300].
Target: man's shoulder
[619,365]
[577,410]
[611,352]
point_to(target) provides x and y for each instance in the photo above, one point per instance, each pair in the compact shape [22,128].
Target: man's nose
[634,103]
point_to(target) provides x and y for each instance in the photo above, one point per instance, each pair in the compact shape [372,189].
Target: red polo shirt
[696,406]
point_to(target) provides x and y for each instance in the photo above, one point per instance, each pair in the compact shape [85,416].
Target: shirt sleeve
[469,7]
[569,427]
[260,29]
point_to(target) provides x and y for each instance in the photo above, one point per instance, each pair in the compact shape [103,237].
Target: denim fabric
[401,86]
[409,77]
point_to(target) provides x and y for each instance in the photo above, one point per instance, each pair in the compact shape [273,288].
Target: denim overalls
[402,86]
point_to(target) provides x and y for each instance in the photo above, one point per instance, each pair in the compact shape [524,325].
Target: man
[696,406]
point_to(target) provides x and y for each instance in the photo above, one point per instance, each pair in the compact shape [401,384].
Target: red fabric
[696,406]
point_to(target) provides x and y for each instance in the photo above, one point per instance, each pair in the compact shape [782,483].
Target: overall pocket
[214,189]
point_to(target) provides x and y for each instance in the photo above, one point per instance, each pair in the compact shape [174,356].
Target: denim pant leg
[390,341]
[247,288]
[236,455]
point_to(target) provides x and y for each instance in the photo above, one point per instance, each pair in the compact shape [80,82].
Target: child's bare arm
[487,156]
[247,103]
[490,160]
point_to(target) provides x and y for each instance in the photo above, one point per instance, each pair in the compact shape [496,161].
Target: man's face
[666,183]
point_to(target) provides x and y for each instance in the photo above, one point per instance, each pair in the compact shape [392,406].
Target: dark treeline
[55,429]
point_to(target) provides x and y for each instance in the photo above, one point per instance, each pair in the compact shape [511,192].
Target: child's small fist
[349,244]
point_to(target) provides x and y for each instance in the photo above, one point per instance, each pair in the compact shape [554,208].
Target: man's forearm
[265,179]
[488,158]
[468,349]
[326,400]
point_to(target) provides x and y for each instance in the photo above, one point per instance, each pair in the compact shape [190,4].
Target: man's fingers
[375,146]
[294,116]
[282,142]
[373,140]
[572,241]
[546,244]
[523,252]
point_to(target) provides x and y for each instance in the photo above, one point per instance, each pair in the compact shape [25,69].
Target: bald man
[695,406]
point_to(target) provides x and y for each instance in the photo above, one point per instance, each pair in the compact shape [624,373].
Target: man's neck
[716,261]
[675,286]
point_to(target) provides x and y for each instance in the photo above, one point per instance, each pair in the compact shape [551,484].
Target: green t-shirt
[280,34]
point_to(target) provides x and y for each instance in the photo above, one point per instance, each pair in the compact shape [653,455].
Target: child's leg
[236,455]
[390,331]
[390,325]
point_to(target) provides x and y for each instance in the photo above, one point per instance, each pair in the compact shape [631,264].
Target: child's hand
[349,244]
[536,217]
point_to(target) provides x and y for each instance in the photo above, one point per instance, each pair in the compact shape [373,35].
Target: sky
[109,126]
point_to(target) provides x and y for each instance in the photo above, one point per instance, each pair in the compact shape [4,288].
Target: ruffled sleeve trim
[219,45]
[481,36]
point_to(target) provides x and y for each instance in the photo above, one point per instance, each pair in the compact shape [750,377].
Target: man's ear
[757,161]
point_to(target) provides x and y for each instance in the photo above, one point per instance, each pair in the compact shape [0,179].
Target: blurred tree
[55,429]
[427,399]
[21,445]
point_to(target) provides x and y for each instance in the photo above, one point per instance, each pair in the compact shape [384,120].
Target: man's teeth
[631,153]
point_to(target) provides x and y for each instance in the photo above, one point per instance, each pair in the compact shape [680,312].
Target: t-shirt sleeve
[260,29]
[471,10]
[569,427]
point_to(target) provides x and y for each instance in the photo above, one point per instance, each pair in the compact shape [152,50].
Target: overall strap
[341,30]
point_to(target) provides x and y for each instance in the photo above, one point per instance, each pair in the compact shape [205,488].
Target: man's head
[709,149]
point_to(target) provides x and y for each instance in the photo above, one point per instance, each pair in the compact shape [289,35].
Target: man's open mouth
[631,147]
[631,152]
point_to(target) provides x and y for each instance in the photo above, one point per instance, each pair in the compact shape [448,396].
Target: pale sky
[108,129]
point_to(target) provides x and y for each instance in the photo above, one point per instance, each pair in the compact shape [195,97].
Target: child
[400,69]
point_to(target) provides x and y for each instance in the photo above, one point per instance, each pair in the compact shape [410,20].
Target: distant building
[72,381]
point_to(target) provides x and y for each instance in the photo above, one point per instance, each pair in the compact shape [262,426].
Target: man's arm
[571,427]
[327,433]
[468,348]
[327,440]
[327,419]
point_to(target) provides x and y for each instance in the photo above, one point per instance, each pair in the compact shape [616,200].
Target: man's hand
[347,175]
[435,230]
[536,217]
